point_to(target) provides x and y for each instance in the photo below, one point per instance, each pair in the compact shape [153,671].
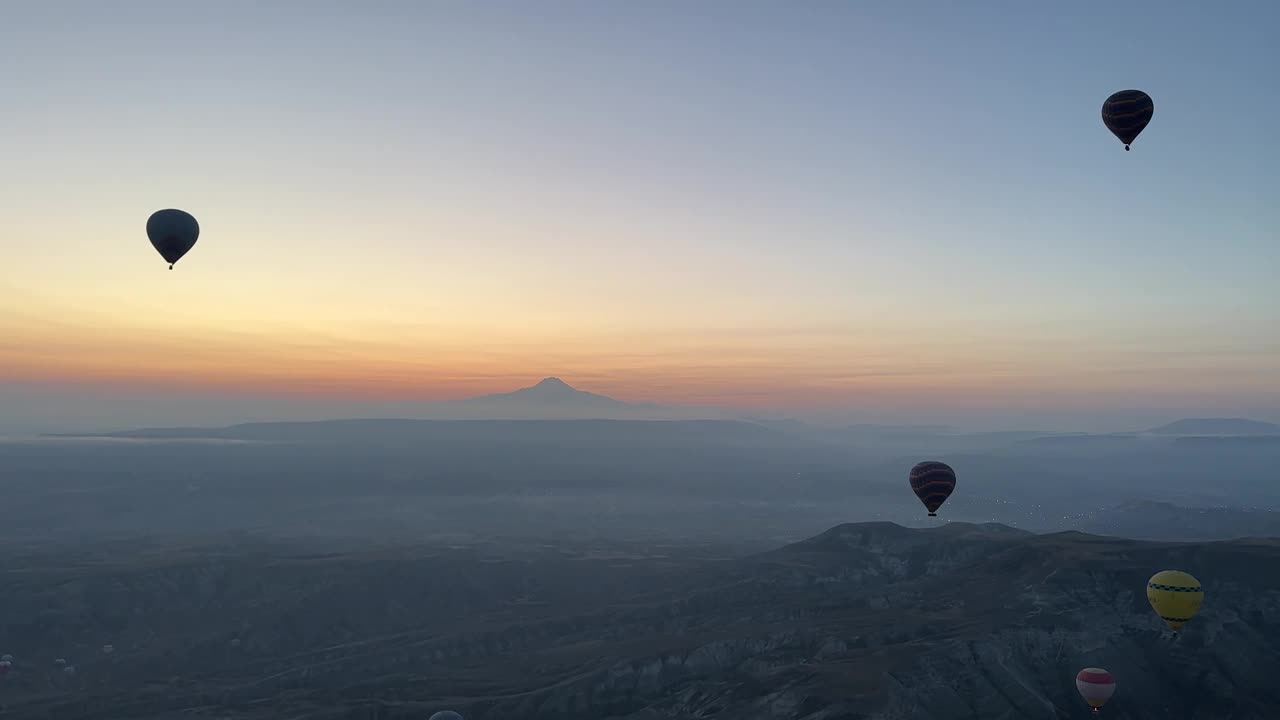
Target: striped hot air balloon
[1175,596]
[932,482]
[1096,686]
[1127,113]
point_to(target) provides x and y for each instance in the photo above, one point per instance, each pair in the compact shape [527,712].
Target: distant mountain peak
[552,387]
[552,398]
[551,391]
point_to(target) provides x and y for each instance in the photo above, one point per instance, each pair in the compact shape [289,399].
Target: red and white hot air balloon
[1096,686]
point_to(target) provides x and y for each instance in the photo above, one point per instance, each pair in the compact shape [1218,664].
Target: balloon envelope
[172,233]
[1175,596]
[1096,686]
[1127,113]
[446,715]
[932,482]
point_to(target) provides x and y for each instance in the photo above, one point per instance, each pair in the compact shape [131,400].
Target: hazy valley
[868,620]
[622,568]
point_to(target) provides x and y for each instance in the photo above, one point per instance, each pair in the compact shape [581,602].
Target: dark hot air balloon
[1126,113]
[933,482]
[172,233]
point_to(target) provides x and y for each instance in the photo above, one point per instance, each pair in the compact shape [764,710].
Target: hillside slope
[870,620]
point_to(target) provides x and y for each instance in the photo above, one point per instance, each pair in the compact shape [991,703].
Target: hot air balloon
[1126,113]
[1096,686]
[1175,596]
[933,482]
[172,233]
[446,715]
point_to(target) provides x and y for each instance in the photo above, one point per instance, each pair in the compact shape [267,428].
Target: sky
[904,210]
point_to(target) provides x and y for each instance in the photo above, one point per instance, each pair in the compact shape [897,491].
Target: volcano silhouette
[550,391]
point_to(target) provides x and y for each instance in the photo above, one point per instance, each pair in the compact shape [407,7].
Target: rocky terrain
[869,620]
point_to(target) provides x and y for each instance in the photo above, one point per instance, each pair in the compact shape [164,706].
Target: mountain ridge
[384,431]
[1216,426]
[551,398]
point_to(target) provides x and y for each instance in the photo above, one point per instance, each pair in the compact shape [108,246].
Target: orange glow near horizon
[419,204]
[755,367]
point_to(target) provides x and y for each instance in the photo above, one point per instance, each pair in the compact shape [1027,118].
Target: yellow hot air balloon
[1175,596]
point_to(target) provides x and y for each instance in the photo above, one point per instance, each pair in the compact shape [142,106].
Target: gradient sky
[904,209]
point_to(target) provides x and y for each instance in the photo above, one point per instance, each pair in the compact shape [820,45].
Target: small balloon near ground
[1096,686]
[932,482]
[1175,596]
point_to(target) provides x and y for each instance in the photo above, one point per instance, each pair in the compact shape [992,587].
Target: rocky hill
[870,621]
